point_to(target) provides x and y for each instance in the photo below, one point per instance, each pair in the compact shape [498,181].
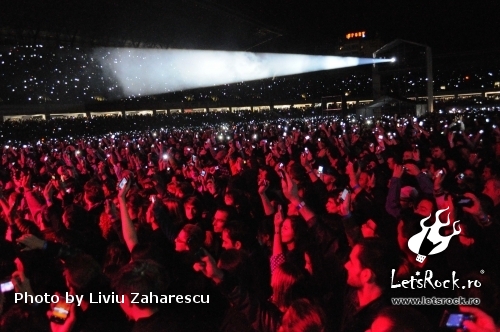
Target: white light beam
[152,71]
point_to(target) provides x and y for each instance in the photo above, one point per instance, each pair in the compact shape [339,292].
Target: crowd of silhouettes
[286,221]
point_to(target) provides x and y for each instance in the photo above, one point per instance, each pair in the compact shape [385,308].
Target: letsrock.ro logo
[428,241]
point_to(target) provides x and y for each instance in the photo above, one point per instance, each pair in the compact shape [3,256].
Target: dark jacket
[262,316]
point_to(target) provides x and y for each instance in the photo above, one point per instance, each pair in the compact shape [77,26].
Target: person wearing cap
[407,197]
[329,178]
[399,199]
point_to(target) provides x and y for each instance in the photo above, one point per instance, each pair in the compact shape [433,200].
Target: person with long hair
[290,238]
[287,284]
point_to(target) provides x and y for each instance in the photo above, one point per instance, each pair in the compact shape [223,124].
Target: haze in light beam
[153,71]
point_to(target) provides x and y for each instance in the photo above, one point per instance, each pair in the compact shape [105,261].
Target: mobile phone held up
[343,196]
[61,311]
[6,286]
[464,201]
[122,183]
[455,320]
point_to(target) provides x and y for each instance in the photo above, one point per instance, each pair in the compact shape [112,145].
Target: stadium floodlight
[151,71]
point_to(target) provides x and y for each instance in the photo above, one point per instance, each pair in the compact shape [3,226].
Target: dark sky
[447,26]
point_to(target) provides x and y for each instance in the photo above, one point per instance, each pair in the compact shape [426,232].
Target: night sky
[263,25]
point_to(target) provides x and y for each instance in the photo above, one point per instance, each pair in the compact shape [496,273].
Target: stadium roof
[311,27]
[148,23]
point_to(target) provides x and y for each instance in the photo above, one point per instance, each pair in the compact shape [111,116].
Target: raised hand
[30,242]
[263,186]
[122,192]
[398,171]
[483,322]
[208,267]
[345,206]
[476,209]
[439,176]
[278,218]
[21,283]
[412,169]
[289,187]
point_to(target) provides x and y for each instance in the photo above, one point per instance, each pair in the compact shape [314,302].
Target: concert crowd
[282,221]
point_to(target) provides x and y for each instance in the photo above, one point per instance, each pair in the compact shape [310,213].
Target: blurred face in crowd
[407,155]
[181,241]
[486,174]
[437,153]
[190,211]
[219,220]
[211,187]
[428,162]
[262,175]
[492,189]
[106,191]
[61,170]
[332,206]
[432,168]
[354,268]
[452,165]
[193,173]
[390,163]
[368,228]
[227,243]
[405,203]
[424,208]
[465,152]
[473,158]
[229,199]
[363,180]
[366,181]
[172,187]
[371,165]
[287,233]
[101,167]
[327,179]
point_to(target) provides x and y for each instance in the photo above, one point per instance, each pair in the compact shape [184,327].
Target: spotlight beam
[151,71]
